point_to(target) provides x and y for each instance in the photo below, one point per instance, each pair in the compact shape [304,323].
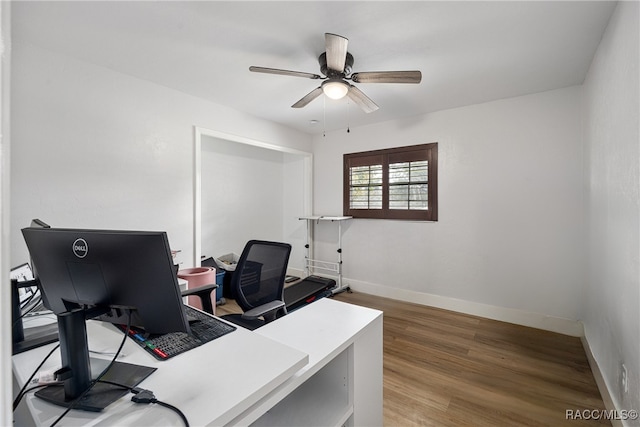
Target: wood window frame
[428,152]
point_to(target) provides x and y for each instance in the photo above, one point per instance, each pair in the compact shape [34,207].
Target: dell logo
[80,248]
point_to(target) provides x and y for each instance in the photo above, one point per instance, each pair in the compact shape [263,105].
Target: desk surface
[330,327]
[233,379]
[211,384]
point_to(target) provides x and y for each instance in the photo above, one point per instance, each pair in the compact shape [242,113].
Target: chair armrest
[263,310]
[204,293]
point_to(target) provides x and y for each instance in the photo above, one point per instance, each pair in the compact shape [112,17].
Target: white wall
[508,241]
[239,201]
[612,140]
[296,203]
[250,192]
[99,149]
[6,376]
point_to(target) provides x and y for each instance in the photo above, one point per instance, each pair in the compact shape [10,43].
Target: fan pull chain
[324,115]
[348,109]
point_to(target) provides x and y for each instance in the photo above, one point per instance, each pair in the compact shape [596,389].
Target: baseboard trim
[519,317]
[600,382]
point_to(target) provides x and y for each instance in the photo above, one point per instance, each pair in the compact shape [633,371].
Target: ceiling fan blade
[284,72]
[363,101]
[308,98]
[387,77]
[336,47]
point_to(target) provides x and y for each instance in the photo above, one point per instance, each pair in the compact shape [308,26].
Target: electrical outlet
[624,378]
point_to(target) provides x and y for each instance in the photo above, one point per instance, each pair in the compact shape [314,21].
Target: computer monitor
[103,274]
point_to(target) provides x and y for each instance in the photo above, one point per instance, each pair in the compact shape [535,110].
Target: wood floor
[443,368]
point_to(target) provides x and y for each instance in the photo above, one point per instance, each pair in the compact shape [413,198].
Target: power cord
[143,396]
[146,396]
[24,390]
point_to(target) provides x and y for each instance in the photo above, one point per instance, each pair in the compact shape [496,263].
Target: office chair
[257,284]
[203,292]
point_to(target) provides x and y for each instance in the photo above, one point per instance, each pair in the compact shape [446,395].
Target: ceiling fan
[335,66]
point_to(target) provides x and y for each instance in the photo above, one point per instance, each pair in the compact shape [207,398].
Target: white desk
[342,383]
[327,355]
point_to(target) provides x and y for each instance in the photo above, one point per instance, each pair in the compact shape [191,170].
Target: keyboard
[204,328]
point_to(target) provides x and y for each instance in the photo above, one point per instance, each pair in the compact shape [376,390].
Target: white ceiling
[468,52]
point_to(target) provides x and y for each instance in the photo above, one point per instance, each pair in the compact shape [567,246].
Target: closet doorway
[247,189]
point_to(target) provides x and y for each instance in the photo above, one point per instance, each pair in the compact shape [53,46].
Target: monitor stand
[101,394]
[76,372]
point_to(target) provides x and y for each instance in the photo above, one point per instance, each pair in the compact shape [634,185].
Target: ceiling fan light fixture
[336,65]
[335,88]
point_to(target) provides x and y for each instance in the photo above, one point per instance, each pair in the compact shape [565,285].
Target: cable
[28,299]
[146,397]
[104,371]
[126,387]
[37,303]
[35,387]
[23,391]
[25,304]
[106,353]
[176,410]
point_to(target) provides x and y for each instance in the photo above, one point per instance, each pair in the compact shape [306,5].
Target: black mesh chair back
[257,284]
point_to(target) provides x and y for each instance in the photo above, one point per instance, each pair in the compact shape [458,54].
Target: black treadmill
[306,291]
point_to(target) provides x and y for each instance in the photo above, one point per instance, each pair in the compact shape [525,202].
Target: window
[395,183]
